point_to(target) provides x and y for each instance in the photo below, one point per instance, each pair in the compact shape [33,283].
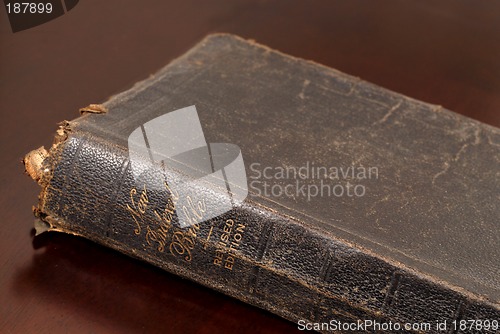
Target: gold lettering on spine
[163,222]
[183,242]
[158,224]
[228,244]
[196,211]
[138,209]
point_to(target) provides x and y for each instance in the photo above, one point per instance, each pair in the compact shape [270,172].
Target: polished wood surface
[445,52]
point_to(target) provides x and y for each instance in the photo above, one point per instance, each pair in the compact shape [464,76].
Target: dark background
[445,52]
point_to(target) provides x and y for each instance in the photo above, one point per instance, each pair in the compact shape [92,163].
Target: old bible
[288,185]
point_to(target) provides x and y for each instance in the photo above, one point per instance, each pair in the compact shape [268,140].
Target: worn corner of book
[33,164]
[45,222]
[41,226]
[37,162]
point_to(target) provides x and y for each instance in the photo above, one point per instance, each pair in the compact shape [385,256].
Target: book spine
[250,252]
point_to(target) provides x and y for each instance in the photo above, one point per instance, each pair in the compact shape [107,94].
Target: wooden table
[445,52]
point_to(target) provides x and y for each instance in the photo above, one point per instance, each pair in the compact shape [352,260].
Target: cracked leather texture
[420,245]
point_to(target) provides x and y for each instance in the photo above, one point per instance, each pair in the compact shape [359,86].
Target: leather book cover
[289,185]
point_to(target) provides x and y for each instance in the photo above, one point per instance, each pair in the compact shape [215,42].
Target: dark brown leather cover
[420,245]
